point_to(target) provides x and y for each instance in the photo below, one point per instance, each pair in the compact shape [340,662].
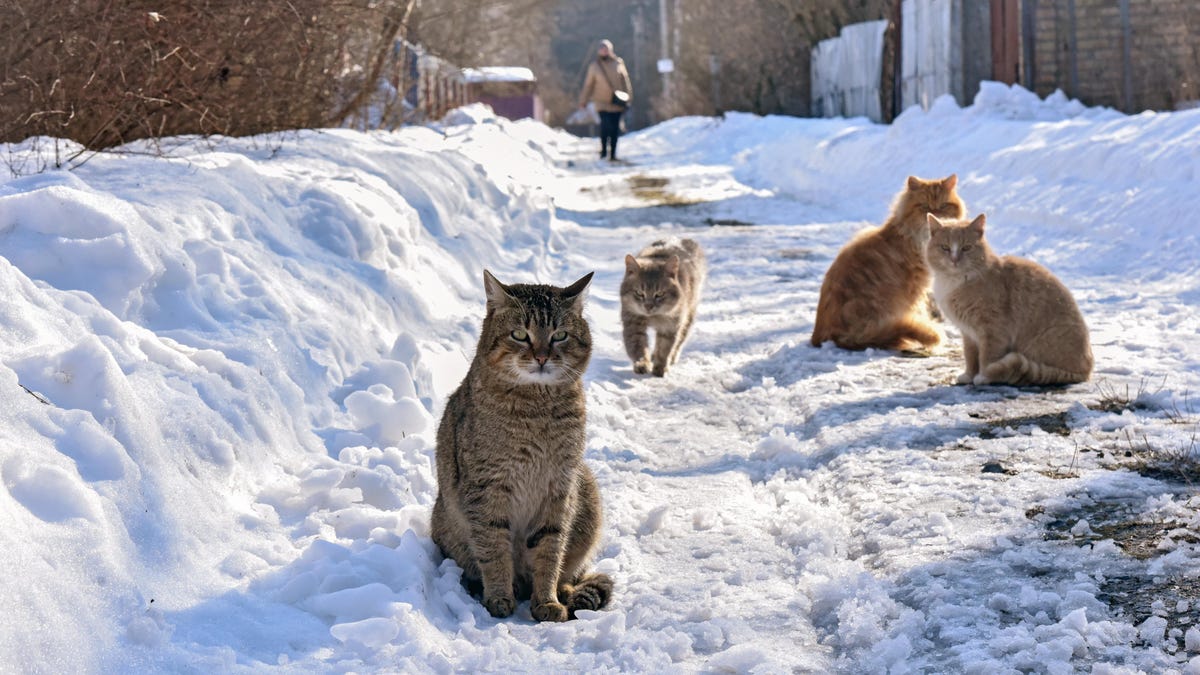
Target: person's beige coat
[597,89]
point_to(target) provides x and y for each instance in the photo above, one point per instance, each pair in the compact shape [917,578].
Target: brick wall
[1164,51]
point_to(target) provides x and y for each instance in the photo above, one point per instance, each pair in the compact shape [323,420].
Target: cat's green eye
[520,335]
[967,247]
[559,336]
[946,249]
[638,295]
[658,296]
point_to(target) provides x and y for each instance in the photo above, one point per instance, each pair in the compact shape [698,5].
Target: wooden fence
[1132,55]
[415,87]
[440,88]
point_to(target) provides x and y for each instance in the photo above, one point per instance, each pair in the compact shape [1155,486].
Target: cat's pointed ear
[950,181]
[497,293]
[935,223]
[631,265]
[673,265]
[577,292]
[978,224]
[914,183]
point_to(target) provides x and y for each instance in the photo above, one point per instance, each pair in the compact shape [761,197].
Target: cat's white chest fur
[942,288]
[943,292]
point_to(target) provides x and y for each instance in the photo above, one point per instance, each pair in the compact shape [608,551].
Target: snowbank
[212,341]
[1055,178]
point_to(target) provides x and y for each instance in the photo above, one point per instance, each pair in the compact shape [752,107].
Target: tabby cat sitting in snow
[517,508]
[874,294]
[660,290]
[1020,324]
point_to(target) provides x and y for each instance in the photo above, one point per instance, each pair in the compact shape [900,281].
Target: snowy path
[829,510]
[676,455]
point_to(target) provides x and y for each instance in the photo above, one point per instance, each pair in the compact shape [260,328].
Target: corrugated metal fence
[846,72]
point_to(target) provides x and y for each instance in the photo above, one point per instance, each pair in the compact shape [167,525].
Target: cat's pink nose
[541,360]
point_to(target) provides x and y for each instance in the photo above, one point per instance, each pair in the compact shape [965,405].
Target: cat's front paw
[500,606]
[550,611]
[659,369]
[981,380]
[641,367]
[965,378]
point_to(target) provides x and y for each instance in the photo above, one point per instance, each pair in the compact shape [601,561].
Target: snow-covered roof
[498,74]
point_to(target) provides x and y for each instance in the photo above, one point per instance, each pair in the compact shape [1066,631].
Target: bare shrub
[106,72]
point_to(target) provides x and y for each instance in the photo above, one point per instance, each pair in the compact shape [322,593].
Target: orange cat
[1020,324]
[874,294]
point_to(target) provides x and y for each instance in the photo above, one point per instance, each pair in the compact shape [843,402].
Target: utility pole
[714,69]
[638,18]
[677,26]
[664,26]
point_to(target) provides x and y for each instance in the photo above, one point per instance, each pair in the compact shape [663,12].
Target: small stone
[993,466]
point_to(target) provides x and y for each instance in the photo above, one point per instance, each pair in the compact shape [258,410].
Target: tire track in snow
[679,458]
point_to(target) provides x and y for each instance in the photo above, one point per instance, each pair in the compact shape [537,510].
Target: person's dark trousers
[610,128]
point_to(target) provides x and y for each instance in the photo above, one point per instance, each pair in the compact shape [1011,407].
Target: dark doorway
[1006,41]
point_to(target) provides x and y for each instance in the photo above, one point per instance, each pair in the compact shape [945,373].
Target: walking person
[608,87]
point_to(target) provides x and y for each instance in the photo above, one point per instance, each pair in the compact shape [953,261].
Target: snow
[236,356]
[498,74]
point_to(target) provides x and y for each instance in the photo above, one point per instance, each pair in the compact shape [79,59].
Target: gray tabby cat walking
[517,508]
[661,290]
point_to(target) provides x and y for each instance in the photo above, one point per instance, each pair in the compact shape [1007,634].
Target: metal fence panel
[847,72]
[926,58]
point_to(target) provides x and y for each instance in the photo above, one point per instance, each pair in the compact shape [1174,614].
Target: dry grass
[653,189]
[1116,398]
[1178,461]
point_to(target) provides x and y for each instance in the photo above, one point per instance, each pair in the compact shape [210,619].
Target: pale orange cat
[1020,324]
[874,294]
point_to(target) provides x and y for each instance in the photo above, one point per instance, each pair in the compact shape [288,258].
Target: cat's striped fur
[517,508]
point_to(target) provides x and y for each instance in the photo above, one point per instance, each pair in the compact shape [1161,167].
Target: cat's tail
[1016,368]
[823,328]
[908,332]
[820,336]
[591,591]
